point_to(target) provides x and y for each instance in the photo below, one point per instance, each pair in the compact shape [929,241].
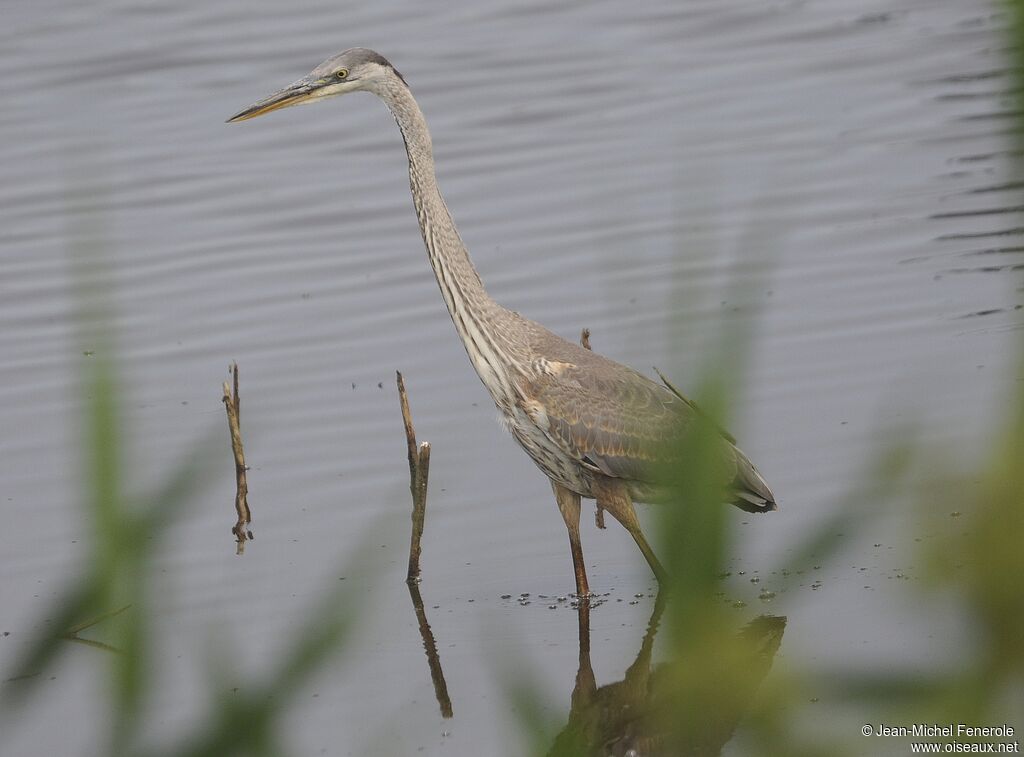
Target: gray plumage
[595,427]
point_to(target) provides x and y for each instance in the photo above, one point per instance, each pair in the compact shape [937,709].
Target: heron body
[598,429]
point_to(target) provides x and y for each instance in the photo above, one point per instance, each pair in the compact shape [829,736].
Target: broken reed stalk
[72,633]
[599,513]
[419,470]
[233,407]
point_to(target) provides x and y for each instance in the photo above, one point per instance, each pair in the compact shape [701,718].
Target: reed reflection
[430,647]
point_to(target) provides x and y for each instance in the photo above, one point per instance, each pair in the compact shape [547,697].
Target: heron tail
[750,492]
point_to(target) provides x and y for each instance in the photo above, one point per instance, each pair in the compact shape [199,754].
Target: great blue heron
[596,428]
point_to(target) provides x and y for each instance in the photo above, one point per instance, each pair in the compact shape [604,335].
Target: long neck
[473,311]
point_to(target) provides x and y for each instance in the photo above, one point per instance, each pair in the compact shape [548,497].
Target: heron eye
[341,73]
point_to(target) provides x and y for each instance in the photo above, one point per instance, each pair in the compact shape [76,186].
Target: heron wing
[616,421]
[613,419]
[622,424]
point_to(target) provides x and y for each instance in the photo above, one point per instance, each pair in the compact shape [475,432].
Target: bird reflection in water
[641,715]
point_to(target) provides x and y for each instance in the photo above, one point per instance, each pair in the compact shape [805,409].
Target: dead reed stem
[419,470]
[72,633]
[233,407]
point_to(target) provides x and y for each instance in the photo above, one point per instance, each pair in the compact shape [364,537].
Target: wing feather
[612,419]
[620,421]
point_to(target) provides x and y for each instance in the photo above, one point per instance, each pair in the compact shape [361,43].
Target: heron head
[353,70]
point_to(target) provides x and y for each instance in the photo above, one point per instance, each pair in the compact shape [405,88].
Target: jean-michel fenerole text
[948,730]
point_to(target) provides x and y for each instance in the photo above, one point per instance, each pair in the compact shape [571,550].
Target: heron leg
[569,506]
[612,495]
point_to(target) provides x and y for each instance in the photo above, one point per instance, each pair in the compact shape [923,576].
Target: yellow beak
[295,94]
